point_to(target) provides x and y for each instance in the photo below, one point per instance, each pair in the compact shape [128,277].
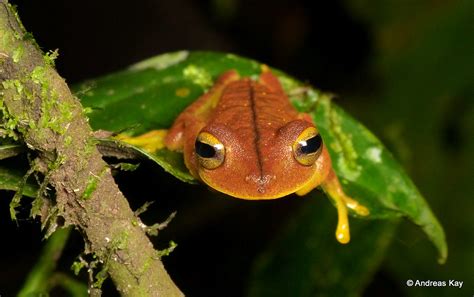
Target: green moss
[50,57]
[101,276]
[146,265]
[127,166]
[50,103]
[9,123]
[143,208]
[7,38]
[36,206]
[67,140]
[18,53]
[13,84]
[120,242]
[54,114]
[13,124]
[92,183]
[60,159]
[77,265]
[101,259]
[15,202]
[17,17]
[167,251]
[87,110]
[51,222]
[88,149]
[38,76]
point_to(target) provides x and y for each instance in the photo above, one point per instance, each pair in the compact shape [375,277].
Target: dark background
[404,68]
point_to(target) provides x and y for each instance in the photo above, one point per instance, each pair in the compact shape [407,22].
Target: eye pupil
[311,145]
[308,147]
[204,150]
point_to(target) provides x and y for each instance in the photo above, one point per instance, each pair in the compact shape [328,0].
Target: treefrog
[245,139]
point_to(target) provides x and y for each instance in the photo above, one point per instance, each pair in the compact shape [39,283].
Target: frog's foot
[342,231]
[150,141]
[333,188]
[355,206]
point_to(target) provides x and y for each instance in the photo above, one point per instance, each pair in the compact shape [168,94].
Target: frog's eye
[209,150]
[308,146]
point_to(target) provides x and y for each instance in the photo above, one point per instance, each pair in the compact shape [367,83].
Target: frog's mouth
[254,187]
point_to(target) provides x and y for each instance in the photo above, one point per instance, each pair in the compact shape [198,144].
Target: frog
[244,138]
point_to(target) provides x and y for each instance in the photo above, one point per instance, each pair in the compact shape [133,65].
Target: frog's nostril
[260,181]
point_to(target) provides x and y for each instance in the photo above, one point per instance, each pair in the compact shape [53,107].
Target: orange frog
[245,139]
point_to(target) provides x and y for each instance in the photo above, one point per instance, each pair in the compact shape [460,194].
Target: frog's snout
[260,182]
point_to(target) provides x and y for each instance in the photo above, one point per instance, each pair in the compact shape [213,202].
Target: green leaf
[424,69]
[370,173]
[150,95]
[171,162]
[11,179]
[43,276]
[10,150]
[303,262]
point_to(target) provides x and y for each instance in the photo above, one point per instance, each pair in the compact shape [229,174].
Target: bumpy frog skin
[245,139]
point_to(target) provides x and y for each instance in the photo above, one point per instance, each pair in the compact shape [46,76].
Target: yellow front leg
[333,188]
[150,141]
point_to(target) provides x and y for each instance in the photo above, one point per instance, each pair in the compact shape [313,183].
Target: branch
[38,109]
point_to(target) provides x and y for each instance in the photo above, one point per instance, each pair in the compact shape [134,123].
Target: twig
[39,107]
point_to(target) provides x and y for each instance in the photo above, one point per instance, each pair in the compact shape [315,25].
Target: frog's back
[252,107]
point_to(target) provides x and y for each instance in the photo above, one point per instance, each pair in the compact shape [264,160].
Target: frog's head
[265,164]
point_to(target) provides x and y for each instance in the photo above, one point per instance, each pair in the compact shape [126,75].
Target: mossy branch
[38,109]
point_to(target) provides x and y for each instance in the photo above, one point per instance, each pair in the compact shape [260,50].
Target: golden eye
[209,150]
[308,146]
